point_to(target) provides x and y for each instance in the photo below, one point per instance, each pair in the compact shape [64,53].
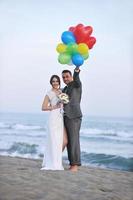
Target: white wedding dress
[54,139]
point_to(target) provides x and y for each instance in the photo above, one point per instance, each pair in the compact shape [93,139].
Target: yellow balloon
[61,48]
[83,48]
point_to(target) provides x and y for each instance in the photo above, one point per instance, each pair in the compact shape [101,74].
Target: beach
[22,179]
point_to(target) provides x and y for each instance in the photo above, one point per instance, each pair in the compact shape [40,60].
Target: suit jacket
[74,91]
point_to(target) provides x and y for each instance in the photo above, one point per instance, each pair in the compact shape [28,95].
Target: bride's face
[55,83]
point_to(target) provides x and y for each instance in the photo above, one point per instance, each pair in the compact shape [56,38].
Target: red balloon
[79,36]
[90,42]
[77,31]
[82,34]
[72,29]
[89,30]
[79,26]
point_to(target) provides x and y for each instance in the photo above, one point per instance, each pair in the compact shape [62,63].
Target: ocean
[106,142]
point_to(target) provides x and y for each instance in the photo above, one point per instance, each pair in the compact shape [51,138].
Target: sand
[21,179]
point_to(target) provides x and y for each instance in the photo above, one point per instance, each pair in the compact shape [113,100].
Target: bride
[56,138]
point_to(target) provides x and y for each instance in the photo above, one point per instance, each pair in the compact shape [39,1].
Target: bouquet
[63,98]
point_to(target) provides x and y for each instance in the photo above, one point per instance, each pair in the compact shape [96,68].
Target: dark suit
[72,119]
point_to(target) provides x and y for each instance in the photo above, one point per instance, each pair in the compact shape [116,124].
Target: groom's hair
[67,71]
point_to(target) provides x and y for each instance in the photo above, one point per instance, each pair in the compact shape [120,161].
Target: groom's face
[67,78]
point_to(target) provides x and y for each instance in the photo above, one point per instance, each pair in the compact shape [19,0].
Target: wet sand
[22,179]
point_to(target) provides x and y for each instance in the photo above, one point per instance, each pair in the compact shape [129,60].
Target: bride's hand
[56,106]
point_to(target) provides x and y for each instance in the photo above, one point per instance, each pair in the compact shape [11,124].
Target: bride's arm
[46,105]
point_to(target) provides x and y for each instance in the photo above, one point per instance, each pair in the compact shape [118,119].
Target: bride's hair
[55,76]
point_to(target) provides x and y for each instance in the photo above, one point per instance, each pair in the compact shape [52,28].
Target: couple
[63,127]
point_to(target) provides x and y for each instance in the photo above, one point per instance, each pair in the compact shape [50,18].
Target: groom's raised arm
[76,79]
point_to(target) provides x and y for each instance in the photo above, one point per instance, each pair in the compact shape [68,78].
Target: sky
[29,33]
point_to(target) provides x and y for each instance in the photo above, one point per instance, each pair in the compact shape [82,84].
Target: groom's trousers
[73,147]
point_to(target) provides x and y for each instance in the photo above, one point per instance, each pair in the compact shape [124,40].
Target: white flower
[63,98]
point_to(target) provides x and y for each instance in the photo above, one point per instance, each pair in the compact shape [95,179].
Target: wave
[106,133]
[84,131]
[23,148]
[4,125]
[23,135]
[108,161]
[20,126]
[107,139]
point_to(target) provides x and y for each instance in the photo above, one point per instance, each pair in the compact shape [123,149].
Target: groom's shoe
[73,168]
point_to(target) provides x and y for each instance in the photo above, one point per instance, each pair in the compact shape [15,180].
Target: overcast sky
[29,33]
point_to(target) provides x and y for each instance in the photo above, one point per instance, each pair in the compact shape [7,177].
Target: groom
[73,116]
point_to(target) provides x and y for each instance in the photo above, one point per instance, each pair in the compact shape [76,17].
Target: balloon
[70,63]
[81,32]
[77,42]
[77,60]
[88,30]
[85,56]
[64,58]
[83,48]
[68,37]
[72,48]
[72,29]
[90,42]
[78,33]
[61,48]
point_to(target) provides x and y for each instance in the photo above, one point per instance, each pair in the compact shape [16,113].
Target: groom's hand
[77,69]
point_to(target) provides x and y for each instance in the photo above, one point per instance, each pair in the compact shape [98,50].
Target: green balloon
[64,58]
[85,56]
[72,48]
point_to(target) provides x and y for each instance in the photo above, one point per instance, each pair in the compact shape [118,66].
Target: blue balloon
[77,60]
[68,37]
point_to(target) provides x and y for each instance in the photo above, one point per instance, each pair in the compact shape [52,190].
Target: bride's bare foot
[74,168]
